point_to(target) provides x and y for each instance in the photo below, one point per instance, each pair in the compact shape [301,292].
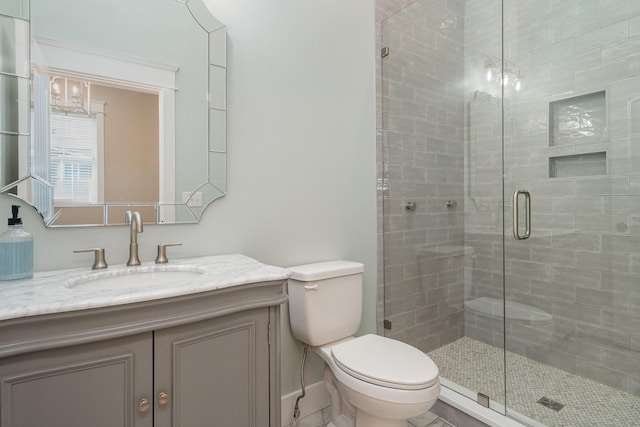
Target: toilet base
[344,412]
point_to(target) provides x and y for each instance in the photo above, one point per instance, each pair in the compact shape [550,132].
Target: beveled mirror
[112,106]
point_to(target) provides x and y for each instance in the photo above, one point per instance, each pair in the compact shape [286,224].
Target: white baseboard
[316,399]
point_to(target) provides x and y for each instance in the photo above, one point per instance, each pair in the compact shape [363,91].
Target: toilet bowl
[385,380]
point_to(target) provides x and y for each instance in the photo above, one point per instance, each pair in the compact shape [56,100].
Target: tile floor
[479,367]
[428,420]
[322,418]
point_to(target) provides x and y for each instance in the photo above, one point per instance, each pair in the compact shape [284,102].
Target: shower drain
[550,403]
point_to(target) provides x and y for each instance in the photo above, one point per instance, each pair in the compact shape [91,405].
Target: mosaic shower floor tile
[480,367]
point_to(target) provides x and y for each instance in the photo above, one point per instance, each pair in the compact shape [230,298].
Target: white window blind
[74,158]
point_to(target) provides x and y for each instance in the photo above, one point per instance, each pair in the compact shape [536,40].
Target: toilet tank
[325,301]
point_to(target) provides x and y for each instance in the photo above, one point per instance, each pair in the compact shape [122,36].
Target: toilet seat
[374,359]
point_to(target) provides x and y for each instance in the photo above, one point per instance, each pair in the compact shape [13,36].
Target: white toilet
[384,380]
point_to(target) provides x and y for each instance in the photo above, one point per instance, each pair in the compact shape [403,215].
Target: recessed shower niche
[573,122]
[578,120]
[587,164]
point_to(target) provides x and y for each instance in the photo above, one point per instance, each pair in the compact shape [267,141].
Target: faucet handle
[162,252]
[99,262]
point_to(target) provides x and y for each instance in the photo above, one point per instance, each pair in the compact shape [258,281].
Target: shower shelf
[574,124]
[495,308]
[575,165]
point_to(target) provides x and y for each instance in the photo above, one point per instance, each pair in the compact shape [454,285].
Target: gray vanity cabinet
[214,373]
[92,384]
[209,359]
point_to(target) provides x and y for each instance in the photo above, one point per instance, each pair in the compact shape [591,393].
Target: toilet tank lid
[325,270]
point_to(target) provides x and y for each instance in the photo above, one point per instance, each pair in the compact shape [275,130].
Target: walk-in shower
[527,112]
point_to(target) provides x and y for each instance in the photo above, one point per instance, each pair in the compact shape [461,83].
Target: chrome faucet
[134,220]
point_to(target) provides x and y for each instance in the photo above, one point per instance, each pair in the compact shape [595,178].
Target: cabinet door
[214,372]
[97,384]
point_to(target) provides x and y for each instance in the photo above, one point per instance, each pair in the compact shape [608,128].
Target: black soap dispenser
[16,250]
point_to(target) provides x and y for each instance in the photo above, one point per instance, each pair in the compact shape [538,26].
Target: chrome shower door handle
[516,209]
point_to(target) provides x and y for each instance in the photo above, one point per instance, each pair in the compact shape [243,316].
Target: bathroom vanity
[81,348]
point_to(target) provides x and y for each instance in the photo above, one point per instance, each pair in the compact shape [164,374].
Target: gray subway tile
[621,49]
[604,36]
[576,312]
[620,321]
[603,186]
[635,264]
[602,261]
[602,336]
[574,205]
[601,223]
[576,276]
[621,244]
[555,52]
[619,282]
[530,269]
[602,299]
[634,385]
[553,290]
[602,374]
[634,305]
[553,256]
[579,348]
[634,342]
[566,362]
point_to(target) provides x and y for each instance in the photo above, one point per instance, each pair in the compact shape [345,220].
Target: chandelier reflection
[503,74]
[70,96]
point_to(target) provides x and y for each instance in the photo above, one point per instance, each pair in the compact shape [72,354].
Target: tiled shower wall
[582,263]
[423,122]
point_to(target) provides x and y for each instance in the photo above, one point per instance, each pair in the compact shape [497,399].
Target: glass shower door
[572,178]
[442,190]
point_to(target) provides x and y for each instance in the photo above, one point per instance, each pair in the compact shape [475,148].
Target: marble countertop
[61,291]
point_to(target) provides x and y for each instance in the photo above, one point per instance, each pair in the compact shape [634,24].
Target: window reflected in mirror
[103,145]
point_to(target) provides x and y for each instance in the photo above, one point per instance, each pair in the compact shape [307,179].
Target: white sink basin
[134,277]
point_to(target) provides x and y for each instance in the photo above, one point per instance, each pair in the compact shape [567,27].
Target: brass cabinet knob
[163,398]
[144,405]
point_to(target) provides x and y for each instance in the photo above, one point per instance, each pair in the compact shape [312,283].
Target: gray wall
[301,166]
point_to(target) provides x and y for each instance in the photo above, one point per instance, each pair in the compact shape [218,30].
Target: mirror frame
[18,130]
